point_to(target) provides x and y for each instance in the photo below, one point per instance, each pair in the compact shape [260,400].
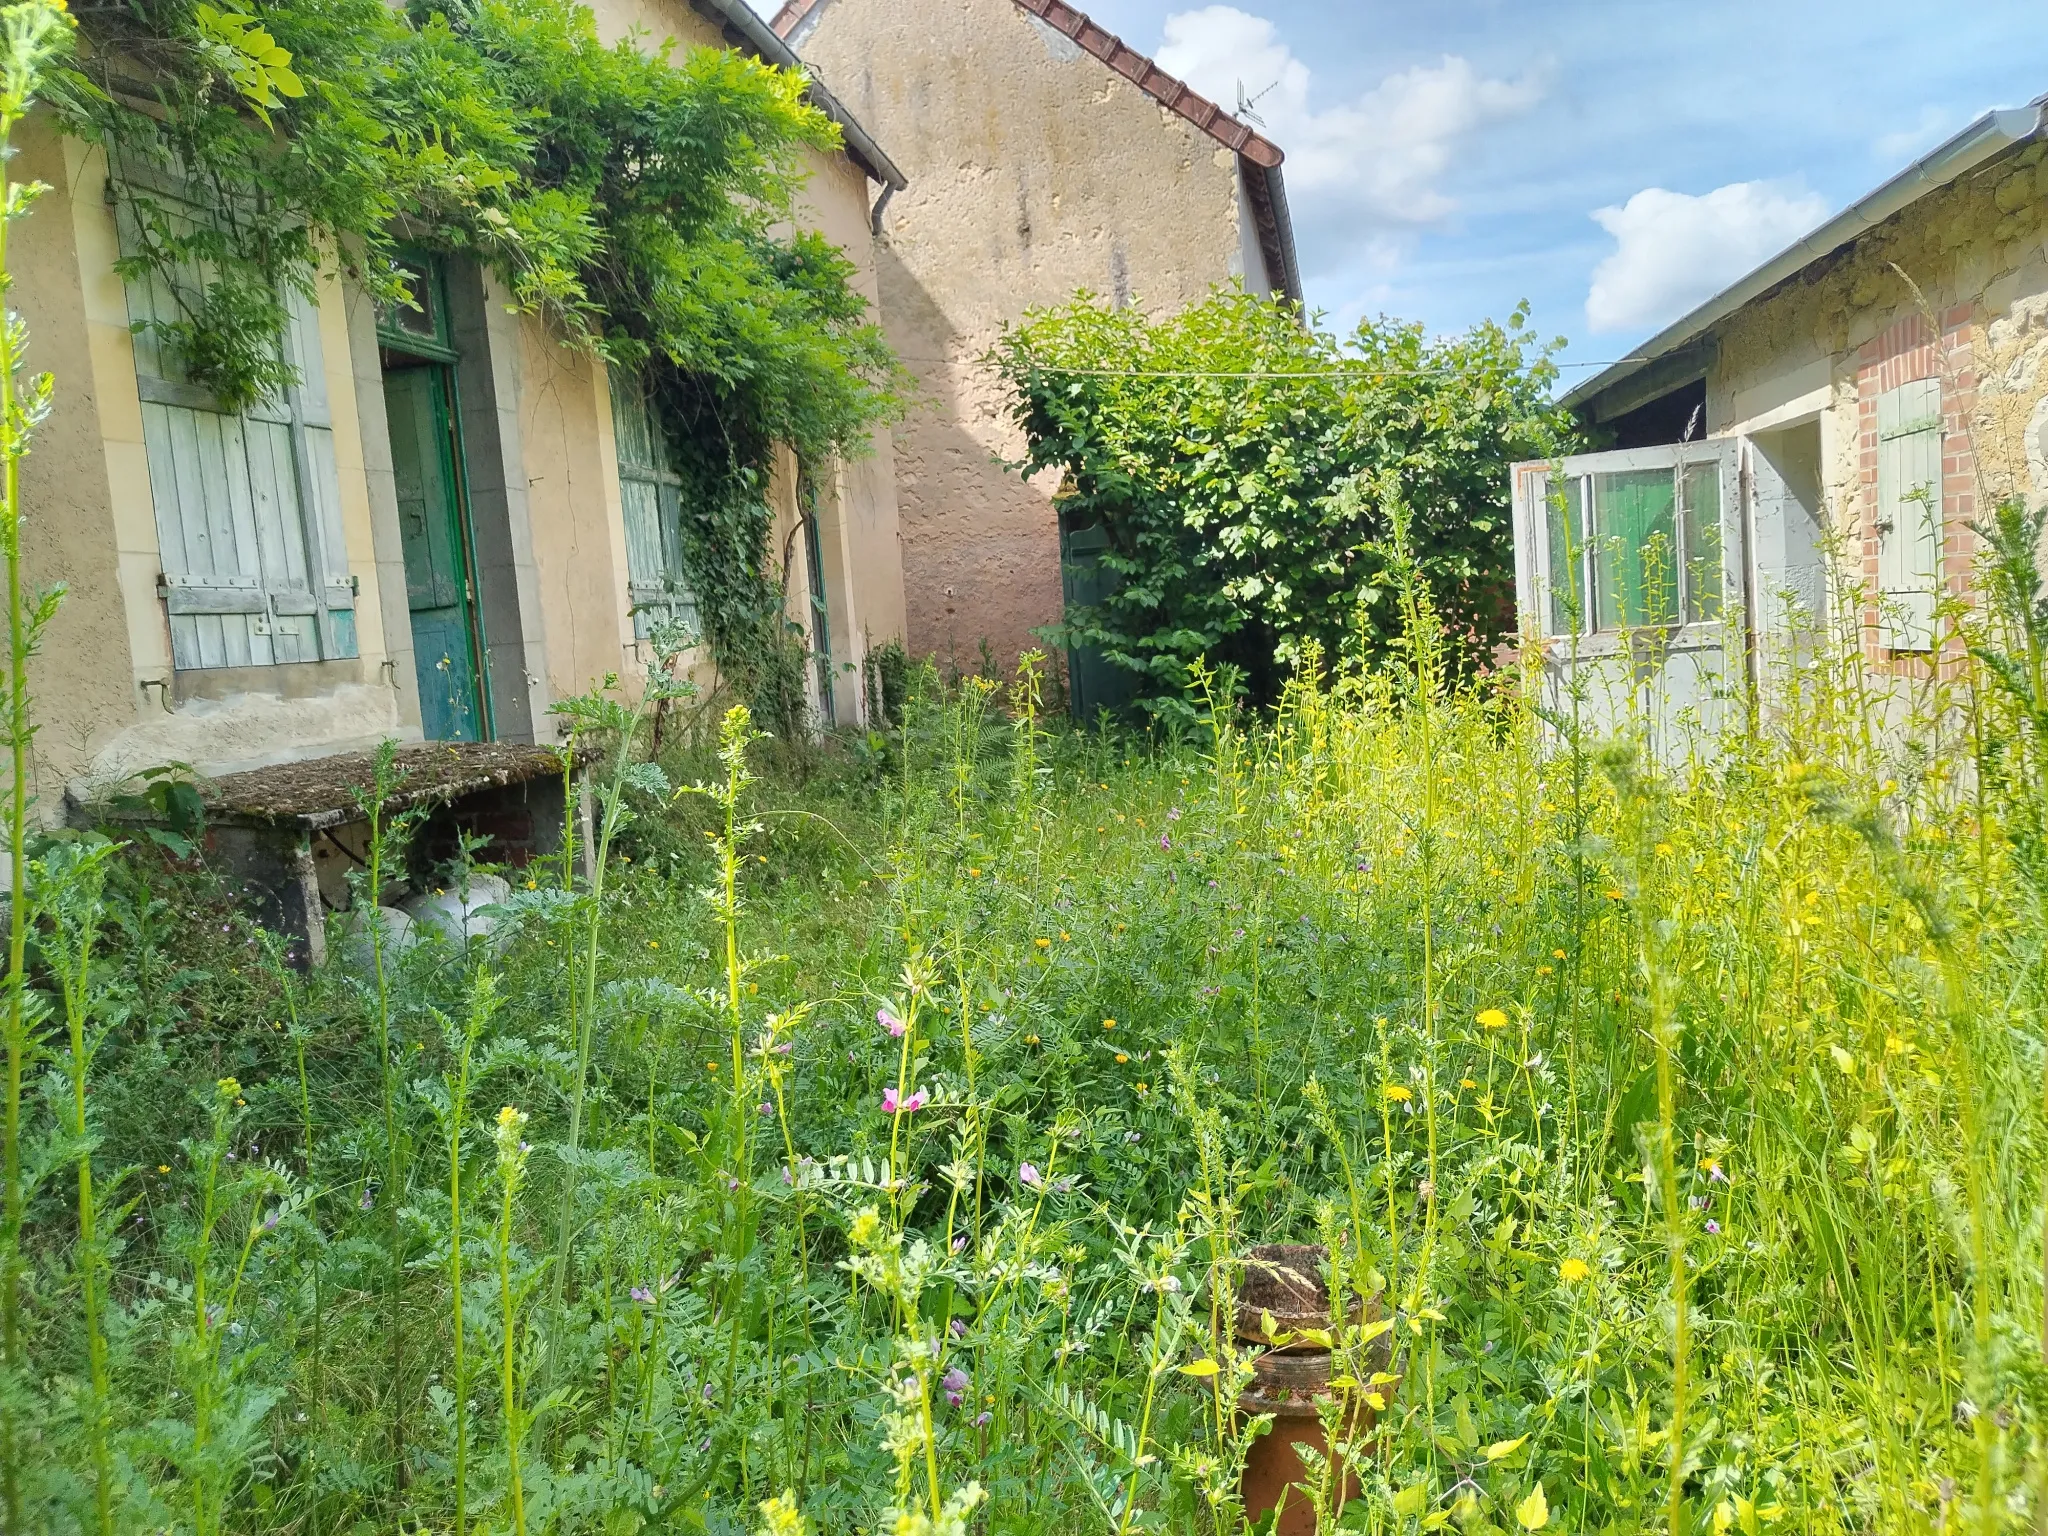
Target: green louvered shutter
[650,493]
[248,504]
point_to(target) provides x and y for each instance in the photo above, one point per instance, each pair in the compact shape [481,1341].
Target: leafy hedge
[1242,462]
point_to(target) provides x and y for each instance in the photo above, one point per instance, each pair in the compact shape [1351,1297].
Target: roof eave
[738,18]
[1989,136]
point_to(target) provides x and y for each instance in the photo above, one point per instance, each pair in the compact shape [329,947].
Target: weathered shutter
[254,569]
[651,495]
[1909,512]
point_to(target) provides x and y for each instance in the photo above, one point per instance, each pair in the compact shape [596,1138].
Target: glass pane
[1635,554]
[1565,520]
[1704,574]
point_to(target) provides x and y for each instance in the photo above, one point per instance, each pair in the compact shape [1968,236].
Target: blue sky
[1611,161]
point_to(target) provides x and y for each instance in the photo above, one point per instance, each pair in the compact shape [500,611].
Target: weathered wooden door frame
[430,347]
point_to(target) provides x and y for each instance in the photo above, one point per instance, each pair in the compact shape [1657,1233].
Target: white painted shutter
[650,494]
[248,506]
[1909,512]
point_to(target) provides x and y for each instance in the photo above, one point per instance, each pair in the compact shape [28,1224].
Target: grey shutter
[650,496]
[1909,512]
[254,569]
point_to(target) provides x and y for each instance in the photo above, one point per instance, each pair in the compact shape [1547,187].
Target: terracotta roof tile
[1170,92]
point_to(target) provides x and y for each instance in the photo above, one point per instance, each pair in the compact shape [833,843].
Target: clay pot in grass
[1285,1281]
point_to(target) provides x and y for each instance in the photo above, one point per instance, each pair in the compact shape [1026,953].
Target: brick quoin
[1904,352]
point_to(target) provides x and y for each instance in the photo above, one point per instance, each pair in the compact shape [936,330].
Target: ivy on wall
[642,204]
[1235,459]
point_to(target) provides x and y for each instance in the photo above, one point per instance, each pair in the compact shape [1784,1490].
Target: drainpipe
[881,206]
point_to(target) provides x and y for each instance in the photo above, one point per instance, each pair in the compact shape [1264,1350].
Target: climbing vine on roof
[640,202]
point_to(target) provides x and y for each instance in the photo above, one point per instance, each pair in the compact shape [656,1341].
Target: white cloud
[1915,138]
[1672,250]
[1386,151]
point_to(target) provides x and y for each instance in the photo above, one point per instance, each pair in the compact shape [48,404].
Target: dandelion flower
[1466,1082]
[1043,943]
[1394,1093]
[1492,1018]
[1557,954]
[1572,1271]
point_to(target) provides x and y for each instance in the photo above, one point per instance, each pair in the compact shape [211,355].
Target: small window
[1634,547]
[1909,529]
[254,569]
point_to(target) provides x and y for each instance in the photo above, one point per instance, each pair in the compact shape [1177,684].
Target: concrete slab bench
[287,836]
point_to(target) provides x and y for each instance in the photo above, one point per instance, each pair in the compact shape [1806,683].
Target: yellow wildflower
[1571,1271]
[1121,1058]
[1043,943]
[1396,1094]
[1109,1023]
[1492,1018]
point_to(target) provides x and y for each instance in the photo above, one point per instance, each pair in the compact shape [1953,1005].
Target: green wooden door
[1094,683]
[437,587]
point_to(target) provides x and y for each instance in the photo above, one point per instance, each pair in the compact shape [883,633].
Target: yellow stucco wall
[571,462]
[106,698]
[1034,171]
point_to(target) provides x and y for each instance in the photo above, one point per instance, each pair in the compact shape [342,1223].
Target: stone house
[1044,156]
[447,527]
[1808,448]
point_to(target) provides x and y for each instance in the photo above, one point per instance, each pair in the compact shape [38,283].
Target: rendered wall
[1035,171]
[572,462]
[107,700]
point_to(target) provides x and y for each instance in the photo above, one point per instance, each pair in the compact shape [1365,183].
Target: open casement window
[1909,513]
[1633,540]
[254,569]
[650,492]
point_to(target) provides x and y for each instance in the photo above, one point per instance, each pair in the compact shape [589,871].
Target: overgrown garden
[883,1153]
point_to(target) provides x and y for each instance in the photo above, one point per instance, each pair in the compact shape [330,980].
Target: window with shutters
[1909,437]
[650,493]
[254,567]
